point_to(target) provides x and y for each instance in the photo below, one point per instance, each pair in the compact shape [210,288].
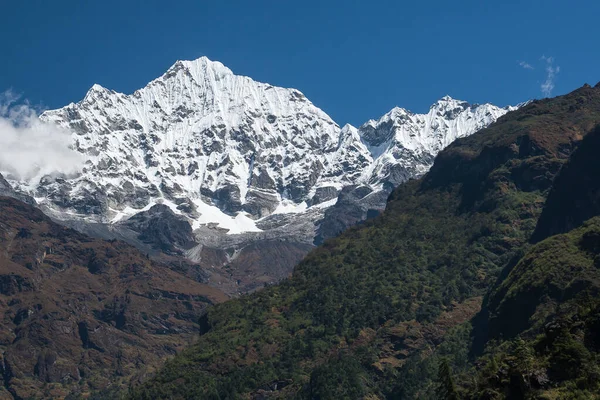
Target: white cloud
[31,148]
[551,72]
[525,65]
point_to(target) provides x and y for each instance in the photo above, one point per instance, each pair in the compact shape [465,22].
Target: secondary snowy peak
[226,151]
[447,120]
[403,144]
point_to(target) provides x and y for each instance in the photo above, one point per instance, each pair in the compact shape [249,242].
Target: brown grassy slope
[79,314]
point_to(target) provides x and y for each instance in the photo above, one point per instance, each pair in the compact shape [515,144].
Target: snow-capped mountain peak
[213,144]
[202,65]
[97,88]
[404,144]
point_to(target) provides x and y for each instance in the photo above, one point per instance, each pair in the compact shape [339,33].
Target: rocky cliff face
[404,144]
[7,190]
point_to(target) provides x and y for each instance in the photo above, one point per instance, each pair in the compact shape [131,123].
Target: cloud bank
[31,148]
[551,71]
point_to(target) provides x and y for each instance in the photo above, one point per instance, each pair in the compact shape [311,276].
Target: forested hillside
[540,324]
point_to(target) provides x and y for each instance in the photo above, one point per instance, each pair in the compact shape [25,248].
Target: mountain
[198,137]
[243,163]
[221,148]
[571,202]
[81,315]
[372,312]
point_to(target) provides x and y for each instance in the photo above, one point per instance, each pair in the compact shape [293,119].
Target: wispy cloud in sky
[31,148]
[7,99]
[551,72]
[525,65]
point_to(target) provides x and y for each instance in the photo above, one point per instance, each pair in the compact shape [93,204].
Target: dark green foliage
[446,389]
[524,356]
[556,353]
[558,269]
[340,378]
[567,358]
[419,377]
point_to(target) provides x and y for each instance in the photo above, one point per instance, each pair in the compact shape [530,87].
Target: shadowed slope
[575,196]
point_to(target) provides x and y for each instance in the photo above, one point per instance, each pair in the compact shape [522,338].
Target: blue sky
[354,59]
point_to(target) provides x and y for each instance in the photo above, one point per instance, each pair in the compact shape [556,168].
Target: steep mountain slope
[575,196]
[80,314]
[506,302]
[365,314]
[540,322]
[545,317]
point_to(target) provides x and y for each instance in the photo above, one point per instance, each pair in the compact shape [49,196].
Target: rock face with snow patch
[161,228]
[7,190]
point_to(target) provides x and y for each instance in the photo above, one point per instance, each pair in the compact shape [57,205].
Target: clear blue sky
[354,59]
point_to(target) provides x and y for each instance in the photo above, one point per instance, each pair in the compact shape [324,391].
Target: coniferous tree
[524,357]
[446,389]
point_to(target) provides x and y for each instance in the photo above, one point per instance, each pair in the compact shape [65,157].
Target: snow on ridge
[222,148]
